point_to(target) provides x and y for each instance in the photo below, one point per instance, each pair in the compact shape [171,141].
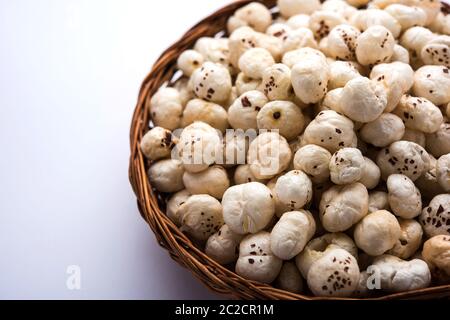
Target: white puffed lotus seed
[378,200]
[158,143]
[283,116]
[346,166]
[403,157]
[295,56]
[189,61]
[243,174]
[343,206]
[435,219]
[254,15]
[167,175]
[342,42]
[254,61]
[419,114]
[310,80]
[414,39]
[436,51]
[213,181]
[175,201]
[290,278]
[256,260]
[364,19]
[244,84]
[289,8]
[435,253]
[371,174]
[415,136]
[208,112]
[375,45]
[313,160]
[410,239]
[212,82]
[433,83]
[377,232]
[248,208]
[321,22]
[298,21]
[407,16]
[166,108]
[276,82]
[201,216]
[400,54]
[443,171]
[438,143]
[291,233]
[223,246]
[269,154]
[363,99]
[299,38]
[331,131]
[341,72]
[243,113]
[383,131]
[294,189]
[404,197]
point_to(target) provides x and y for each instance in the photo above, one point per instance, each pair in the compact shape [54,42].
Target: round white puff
[256,260]
[166,175]
[254,15]
[243,174]
[310,80]
[414,39]
[342,42]
[435,217]
[383,131]
[318,247]
[443,171]
[428,184]
[435,253]
[298,21]
[441,24]
[289,8]
[336,274]
[341,72]
[364,19]
[375,45]
[397,275]
[290,278]
[201,216]
[403,157]
[295,56]
[208,112]
[343,206]
[166,108]
[419,113]
[321,22]
[276,82]
[410,239]
[299,38]
[189,61]
[346,166]
[243,112]
[345,9]
[248,208]
[215,50]
[198,146]
[223,246]
[404,197]
[291,233]
[400,54]
[394,72]
[436,51]
[213,181]
[331,100]
[244,84]
[158,143]
[370,176]
[377,232]
[331,131]
[254,61]
[313,160]
[294,189]
[269,154]
[183,85]
[415,136]
[212,82]
[438,143]
[363,99]
[175,201]
[284,116]
[378,200]
[433,83]
[407,16]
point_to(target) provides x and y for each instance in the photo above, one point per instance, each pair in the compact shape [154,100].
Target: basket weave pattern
[150,203]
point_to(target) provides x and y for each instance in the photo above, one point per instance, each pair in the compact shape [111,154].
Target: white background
[70,71]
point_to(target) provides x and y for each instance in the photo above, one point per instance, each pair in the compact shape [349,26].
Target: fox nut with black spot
[314,161]
[404,197]
[167,175]
[223,246]
[346,166]
[256,260]
[410,239]
[212,82]
[158,143]
[243,113]
[294,189]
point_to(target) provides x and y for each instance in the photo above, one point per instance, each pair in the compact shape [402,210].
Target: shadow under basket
[151,204]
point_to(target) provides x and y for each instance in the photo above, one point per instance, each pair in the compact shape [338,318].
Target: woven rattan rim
[181,249]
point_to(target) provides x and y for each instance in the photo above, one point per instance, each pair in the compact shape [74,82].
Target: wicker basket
[151,204]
